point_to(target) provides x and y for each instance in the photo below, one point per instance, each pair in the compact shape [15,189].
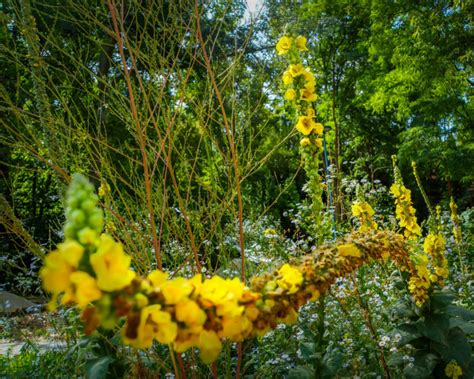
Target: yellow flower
[58,267]
[176,290]
[305,125]
[154,324]
[364,212]
[284,45]
[318,128]
[349,250]
[210,346]
[296,69]
[319,143]
[72,252]
[310,112]
[305,141]
[56,273]
[309,77]
[290,278]
[453,370]
[236,328]
[301,43]
[86,290]
[290,94]
[189,312]
[287,77]
[157,277]
[310,86]
[104,189]
[307,94]
[111,265]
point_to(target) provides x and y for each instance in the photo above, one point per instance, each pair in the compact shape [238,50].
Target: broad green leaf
[301,372]
[98,368]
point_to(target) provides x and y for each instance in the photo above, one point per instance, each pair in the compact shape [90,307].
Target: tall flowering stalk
[455,220]
[364,212]
[93,271]
[405,212]
[300,91]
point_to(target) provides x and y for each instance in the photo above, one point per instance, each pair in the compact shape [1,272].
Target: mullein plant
[435,327]
[92,271]
[299,85]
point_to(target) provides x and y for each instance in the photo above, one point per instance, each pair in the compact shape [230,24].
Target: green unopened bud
[87,236]
[78,217]
[96,221]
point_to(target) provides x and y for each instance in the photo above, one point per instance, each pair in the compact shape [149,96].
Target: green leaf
[422,366]
[333,361]
[98,368]
[301,372]
[441,299]
[464,313]
[307,350]
[402,310]
[458,348]
[466,327]
[395,360]
[435,327]
[409,332]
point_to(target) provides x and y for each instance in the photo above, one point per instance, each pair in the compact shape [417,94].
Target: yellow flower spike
[210,346]
[290,94]
[296,70]
[157,277]
[111,265]
[305,141]
[404,210]
[283,46]
[300,43]
[287,78]
[86,288]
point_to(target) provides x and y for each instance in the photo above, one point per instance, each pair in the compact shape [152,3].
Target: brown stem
[141,134]
[230,137]
[239,360]
[370,326]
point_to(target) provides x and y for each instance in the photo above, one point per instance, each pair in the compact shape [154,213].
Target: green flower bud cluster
[84,219]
